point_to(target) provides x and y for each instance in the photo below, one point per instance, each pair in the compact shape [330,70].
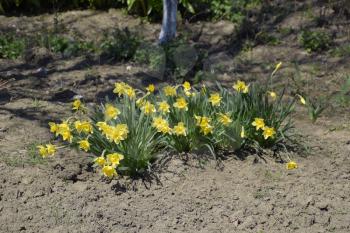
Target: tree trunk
[168,31]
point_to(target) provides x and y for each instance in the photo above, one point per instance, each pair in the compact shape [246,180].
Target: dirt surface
[257,194]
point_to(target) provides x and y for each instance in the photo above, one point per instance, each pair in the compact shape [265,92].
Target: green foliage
[257,104]
[135,125]
[11,47]
[234,11]
[315,41]
[264,37]
[315,107]
[120,45]
[342,98]
[341,51]
[150,55]
[142,145]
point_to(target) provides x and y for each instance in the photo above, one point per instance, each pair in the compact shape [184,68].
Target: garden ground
[243,193]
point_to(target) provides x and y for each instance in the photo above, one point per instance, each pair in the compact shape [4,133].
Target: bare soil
[255,194]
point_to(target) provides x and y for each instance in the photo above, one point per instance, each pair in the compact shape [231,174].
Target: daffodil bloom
[240,86]
[215,99]
[84,145]
[188,93]
[130,92]
[181,103]
[122,88]
[269,132]
[148,108]
[163,107]
[115,133]
[119,88]
[169,91]
[291,165]
[151,88]
[277,67]
[42,151]
[111,112]
[259,123]
[77,105]
[273,95]
[114,159]
[204,124]
[102,125]
[53,127]
[161,125]
[243,132]
[109,171]
[187,86]
[100,161]
[83,126]
[67,136]
[64,131]
[224,119]
[118,133]
[302,100]
[180,129]
[51,149]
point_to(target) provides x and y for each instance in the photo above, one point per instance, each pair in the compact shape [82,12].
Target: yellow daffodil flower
[151,88]
[181,103]
[119,88]
[53,127]
[42,151]
[180,129]
[161,125]
[291,165]
[148,108]
[215,99]
[204,124]
[130,92]
[169,91]
[83,126]
[302,100]
[64,131]
[268,132]
[187,86]
[163,107]
[118,133]
[114,158]
[77,105]
[259,123]
[111,112]
[272,94]
[100,161]
[240,86]
[277,67]
[84,145]
[122,88]
[224,119]
[109,171]
[51,149]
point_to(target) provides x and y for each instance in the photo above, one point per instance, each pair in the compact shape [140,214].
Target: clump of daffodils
[128,134]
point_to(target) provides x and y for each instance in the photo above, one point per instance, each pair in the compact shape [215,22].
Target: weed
[341,51]
[315,41]
[342,98]
[120,45]
[11,47]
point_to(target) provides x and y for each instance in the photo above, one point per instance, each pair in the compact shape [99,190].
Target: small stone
[27,180]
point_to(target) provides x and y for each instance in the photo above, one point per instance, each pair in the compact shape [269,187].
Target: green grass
[32,157]
[11,47]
